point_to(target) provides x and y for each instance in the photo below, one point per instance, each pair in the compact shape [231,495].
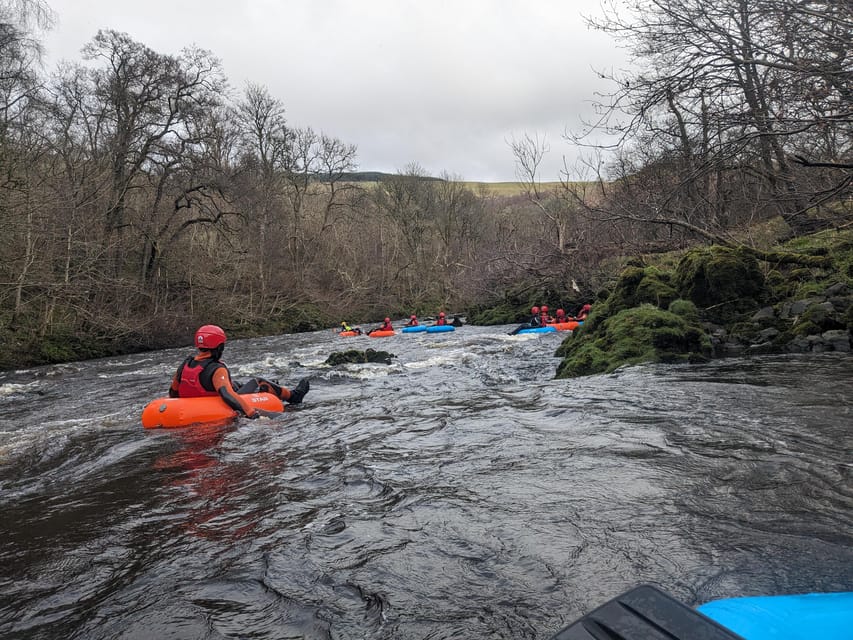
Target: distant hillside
[373,176]
[496,188]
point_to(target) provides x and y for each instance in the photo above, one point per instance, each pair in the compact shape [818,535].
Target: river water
[459,492]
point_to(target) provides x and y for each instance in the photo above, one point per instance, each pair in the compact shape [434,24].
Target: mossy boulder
[354,356]
[645,333]
[723,282]
[636,286]
[818,318]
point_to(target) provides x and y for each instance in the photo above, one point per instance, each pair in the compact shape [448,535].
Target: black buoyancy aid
[197,378]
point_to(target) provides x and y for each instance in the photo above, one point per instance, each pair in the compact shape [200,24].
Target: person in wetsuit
[345,327]
[442,319]
[535,321]
[386,326]
[204,375]
[413,321]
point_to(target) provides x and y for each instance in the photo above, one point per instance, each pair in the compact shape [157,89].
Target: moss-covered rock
[721,281]
[648,285]
[779,287]
[354,356]
[818,318]
[640,334]
[745,331]
[635,286]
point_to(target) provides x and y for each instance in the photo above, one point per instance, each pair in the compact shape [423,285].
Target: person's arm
[222,384]
[176,381]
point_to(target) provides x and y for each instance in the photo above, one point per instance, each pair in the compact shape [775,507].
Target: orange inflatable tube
[565,326]
[348,334]
[380,334]
[168,413]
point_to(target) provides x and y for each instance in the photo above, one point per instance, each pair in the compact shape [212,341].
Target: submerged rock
[354,356]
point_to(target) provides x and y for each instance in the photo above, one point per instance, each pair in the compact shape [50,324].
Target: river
[459,492]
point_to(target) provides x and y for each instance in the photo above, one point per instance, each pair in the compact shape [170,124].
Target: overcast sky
[441,83]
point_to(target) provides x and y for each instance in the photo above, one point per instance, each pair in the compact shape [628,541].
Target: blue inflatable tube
[539,330]
[646,612]
[828,616]
[416,329]
[441,328]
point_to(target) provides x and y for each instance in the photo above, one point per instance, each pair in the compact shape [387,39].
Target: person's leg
[250,387]
[269,386]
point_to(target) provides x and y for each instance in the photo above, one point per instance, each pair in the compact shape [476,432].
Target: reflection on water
[458,492]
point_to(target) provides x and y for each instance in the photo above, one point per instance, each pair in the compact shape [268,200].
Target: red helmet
[544,308]
[413,317]
[586,307]
[387,319]
[560,312]
[534,310]
[441,314]
[209,337]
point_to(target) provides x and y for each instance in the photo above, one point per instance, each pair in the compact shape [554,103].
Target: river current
[459,492]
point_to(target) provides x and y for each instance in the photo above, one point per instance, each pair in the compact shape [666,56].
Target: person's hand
[254,415]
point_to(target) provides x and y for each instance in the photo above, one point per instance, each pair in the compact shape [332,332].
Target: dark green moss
[503,313]
[744,331]
[638,286]
[816,319]
[721,281]
[805,329]
[635,286]
[685,309]
[778,287]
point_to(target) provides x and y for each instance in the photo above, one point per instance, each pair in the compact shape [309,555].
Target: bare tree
[730,91]
[143,102]
[265,146]
[529,151]
[24,235]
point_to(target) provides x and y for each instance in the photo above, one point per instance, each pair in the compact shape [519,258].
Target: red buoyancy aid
[197,378]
